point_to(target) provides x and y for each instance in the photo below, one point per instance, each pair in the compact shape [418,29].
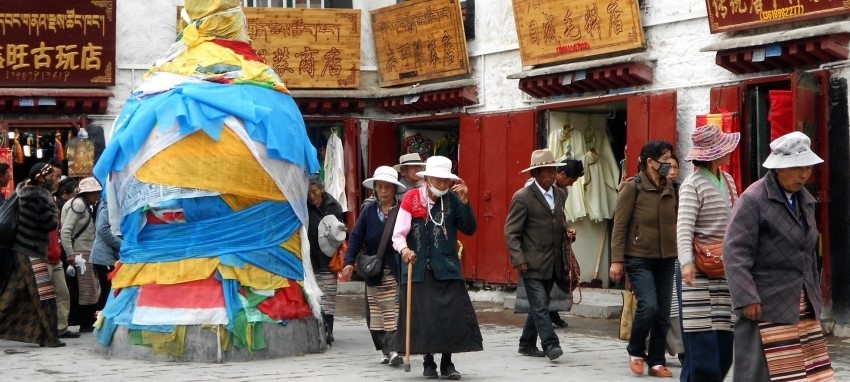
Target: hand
[461,190]
[753,311]
[616,271]
[571,234]
[408,256]
[347,271]
[522,268]
[688,274]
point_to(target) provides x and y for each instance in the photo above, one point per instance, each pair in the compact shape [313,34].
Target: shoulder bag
[367,265]
[708,257]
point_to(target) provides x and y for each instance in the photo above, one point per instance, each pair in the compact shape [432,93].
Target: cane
[407,318]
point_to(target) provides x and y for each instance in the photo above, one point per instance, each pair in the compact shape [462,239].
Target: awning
[330,105]
[54,101]
[587,80]
[431,101]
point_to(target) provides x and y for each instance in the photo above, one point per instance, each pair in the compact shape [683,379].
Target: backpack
[9,221]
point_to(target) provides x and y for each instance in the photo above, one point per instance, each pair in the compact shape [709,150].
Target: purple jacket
[768,254]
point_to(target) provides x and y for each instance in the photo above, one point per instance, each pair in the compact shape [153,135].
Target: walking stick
[407,318]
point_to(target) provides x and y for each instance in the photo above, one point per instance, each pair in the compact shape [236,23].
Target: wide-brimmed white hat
[412,159]
[385,174]
[438,167]
[542,158]
[89,184]
[791,150]
[331,234]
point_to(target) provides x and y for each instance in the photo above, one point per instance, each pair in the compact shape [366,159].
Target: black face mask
[48,184]
[664,169]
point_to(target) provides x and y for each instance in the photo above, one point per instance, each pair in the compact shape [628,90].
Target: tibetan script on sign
[556,30]
[419,40]
[57,43]
[733,15]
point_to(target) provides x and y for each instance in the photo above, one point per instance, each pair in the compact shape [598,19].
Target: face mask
[48,184]
[664,169]
[437,192]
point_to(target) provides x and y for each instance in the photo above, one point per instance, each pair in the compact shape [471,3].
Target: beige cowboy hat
[412,159]
[331,234]
[791,150]
[438,167]
[385,174]
[89,184]
[542,158]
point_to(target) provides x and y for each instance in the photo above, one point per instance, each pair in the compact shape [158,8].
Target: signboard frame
[735,15]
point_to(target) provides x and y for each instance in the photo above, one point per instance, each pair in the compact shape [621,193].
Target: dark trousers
[708,355]
[653,285]
[102,273]
[538,322]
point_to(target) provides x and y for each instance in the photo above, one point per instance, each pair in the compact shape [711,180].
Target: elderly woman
[77,233]
[381,290]
[319,205]
[28,300]
[705,199]
[644,242]
[770,257]
[425,233]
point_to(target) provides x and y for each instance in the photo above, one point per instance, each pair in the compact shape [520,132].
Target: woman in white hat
[442,319]
[705,199]
[381,290]
[77,233]
[770,255]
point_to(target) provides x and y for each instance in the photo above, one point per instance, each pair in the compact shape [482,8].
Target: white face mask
[437,192]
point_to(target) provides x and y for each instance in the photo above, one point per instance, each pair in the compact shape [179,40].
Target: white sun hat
[385,174]
[438,167]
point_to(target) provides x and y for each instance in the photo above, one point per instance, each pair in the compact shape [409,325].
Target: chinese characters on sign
[556,30]
[62,44]
[419,40]
[732,15]
[308,48]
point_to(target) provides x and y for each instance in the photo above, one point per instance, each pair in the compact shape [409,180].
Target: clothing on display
[334,166]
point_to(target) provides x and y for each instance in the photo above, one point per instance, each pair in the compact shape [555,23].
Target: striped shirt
[704,206]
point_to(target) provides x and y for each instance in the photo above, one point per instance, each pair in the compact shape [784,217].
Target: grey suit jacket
[535,234]
[769,256]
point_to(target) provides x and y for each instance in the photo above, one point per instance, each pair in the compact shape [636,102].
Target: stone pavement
[592,353]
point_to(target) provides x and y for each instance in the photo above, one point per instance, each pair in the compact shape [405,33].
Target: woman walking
[705,200]
[770,257]
[319,205]
[442,319]
[381,290]
[77,233]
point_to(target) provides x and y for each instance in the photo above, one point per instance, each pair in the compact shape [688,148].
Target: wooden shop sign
[556,30]
[733,15]
[419,40]
[57,43]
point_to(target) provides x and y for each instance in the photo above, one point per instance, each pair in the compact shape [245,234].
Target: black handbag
[9,221]
[367,265]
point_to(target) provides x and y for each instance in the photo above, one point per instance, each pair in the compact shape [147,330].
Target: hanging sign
[419,40]
[67,43]
[733,15]
[556,30]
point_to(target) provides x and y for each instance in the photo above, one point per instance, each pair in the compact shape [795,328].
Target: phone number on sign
[782,13]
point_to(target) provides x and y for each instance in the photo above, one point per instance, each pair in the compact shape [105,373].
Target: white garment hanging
[335,171]
[601,169]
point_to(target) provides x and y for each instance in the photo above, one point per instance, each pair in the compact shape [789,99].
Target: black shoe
[560,323]
[532,352]
[554,352]
[448,371]
[385,359]
[86,329]
[69,334]
[430,371]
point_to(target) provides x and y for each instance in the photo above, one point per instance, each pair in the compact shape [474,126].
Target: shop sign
[57,43]
[556,30]
[419,40]
[733,15]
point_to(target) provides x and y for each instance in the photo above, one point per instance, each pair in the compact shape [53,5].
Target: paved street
[591,354]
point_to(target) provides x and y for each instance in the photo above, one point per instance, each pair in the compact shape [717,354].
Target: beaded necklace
[442,215]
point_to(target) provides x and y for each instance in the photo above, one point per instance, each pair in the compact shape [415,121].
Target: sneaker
[554,352]
[385,359]
[395,359]
[636,365]
[449,372]
[531,352]
[430,371]
[660,371]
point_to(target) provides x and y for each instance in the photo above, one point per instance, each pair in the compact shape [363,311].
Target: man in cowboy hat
[535,233]
[408,165]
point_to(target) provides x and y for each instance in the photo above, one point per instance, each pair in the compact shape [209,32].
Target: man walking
[535,233]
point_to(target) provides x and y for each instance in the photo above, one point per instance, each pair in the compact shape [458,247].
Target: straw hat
[542,158]
[89,185]
[791,150]
[438,167]
[385,174]
[412,159]
[331,234]
[711,143]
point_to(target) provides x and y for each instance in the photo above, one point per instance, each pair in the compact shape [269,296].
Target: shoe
[554,352]
[430,371]
[660,371]
[560,323]
[395,359]
[86,329]
[636,365]
[385,359]
[449,372]
[69,334]
[532,352]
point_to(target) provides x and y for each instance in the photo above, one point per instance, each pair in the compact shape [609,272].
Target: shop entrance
[340,138]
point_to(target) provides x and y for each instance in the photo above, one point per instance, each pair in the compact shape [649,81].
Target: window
[298,3]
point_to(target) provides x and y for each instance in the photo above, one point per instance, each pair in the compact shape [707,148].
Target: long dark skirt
[442,318]
[23,315]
